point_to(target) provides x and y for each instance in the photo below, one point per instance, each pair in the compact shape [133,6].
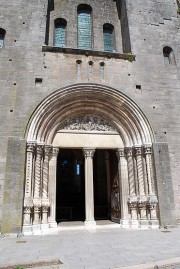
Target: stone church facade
[89,101]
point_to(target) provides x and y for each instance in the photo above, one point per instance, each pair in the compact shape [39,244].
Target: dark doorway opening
[70,190]
[101,185]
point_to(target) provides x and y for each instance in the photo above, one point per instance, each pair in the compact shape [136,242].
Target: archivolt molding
[83,99]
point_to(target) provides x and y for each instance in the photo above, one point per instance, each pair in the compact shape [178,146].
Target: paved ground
[96,249]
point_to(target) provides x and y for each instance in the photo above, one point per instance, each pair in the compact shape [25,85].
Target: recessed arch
[102,101]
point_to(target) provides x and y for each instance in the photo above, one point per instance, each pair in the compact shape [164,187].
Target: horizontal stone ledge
[96,53]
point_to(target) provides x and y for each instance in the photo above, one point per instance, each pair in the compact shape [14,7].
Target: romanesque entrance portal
[96,144]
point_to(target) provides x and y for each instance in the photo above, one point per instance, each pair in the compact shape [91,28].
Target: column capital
[120,153]
[55,152]
[31,146]
[88,152]
[147,149]
[138,150]
[40,148]
[128,151]
[48,150]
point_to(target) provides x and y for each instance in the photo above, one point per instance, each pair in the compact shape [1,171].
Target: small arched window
[2,36]
[109,39]
[60,32]
[84,27]
[169,57]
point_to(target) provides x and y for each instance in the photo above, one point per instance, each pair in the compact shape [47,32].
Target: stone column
[132,201]
[28,196]
[124,188]
[52,188]
[38,187]
[45,199]
[142,199]
[149,169]
[89,189]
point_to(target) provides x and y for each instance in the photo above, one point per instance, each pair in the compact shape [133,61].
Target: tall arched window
[84,27]
[109,38]
[2,36]
[169,57]
[60,32]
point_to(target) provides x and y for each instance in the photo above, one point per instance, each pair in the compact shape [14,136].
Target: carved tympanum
[88,123]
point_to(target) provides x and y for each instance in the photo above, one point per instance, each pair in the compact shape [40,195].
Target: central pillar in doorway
[89,190]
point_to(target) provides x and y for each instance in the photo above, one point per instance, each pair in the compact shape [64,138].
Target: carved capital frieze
[31,147]
[120,153]
[27,209]
[40,149]
[88,153]
[55,152]
[147,150]
[138,150]
[128,152]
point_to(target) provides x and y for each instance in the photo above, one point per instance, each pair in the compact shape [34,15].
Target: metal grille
[60,36]
[84,30]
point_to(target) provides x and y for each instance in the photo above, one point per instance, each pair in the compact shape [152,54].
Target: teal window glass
[108,34]
[60,33]
[84,27]
[2,35]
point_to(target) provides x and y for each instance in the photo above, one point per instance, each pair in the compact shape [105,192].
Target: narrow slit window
[90,69]
[108,35]
[60,33]
[84,27]
[169,57]
[102,70]
[2,36]
[78,64]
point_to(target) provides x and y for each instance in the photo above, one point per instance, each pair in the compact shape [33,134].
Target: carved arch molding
[90,107]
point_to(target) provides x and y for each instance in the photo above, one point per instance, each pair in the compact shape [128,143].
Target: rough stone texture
[153,24]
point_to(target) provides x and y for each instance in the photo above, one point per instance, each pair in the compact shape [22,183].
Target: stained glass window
[2,35]
[84,28]
[108,33]
[60,33]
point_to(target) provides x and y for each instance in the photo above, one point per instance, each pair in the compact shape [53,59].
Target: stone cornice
[96,53]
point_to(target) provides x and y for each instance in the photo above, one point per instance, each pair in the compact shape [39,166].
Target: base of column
[134,223]
[90,224]
[53,224]
[144,224]
[124,223]
[44,226]
[153,224]
[27,230]
[36,229]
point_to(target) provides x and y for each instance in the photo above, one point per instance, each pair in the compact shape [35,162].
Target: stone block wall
[152,85]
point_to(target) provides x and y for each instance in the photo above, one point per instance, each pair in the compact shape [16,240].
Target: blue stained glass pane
[108,40]
[1,40]
[84,30]
[60,36]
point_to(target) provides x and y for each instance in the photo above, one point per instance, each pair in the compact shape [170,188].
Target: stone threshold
[124,56]
[38,264]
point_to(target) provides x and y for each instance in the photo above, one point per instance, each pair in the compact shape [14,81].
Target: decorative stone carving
[88,123]
[130,164]
[27,214]
[120,153]
[88,153]
[29,168]
[38,171]
[149,169]
[140,170]
[47,154]
[37,211]
[152,206]
[133,208]
[142,206]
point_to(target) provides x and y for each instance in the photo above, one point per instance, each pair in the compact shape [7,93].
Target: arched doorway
[90,117]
